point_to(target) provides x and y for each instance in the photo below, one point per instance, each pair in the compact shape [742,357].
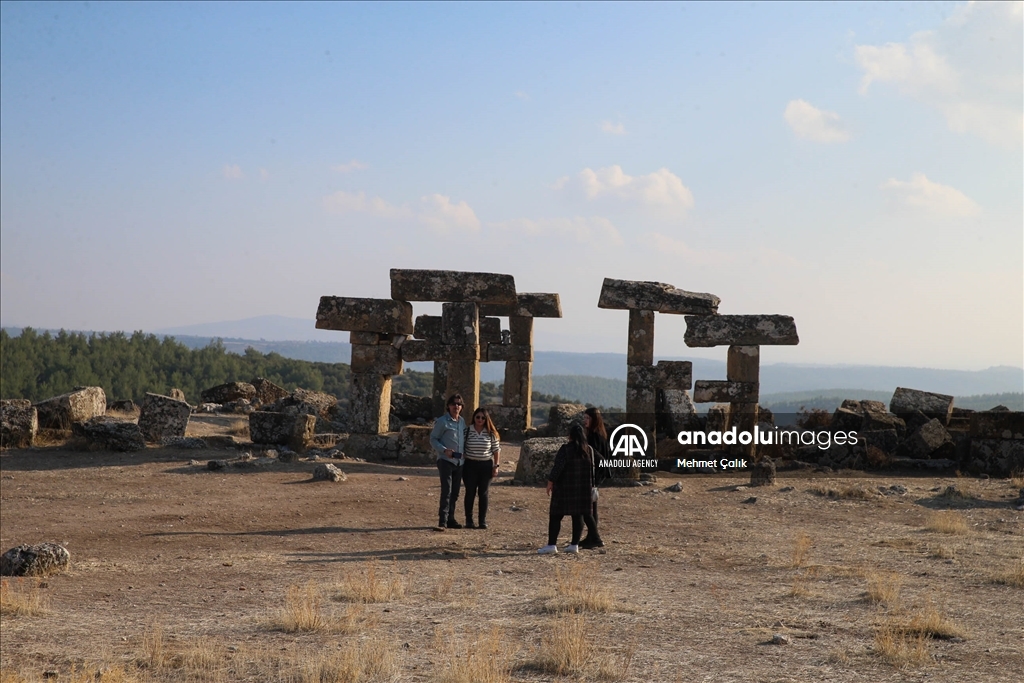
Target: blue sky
[857,166]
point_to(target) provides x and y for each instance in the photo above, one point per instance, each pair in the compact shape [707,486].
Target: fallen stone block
[112,435]
[528,305]
[864,406]
[328,472]
[905,401]
[655,296]
[536,458]
[886,440]
[364,315]
[762,473]
[509,352]
[226,393]
[163,416]
[266,391]
[421,349]
[19,423]
[43,559]
[414,445]
[997,425]
[373,447]
[510,420]
[996,457]
[410,407]
[305,402]
[740,330]
[562,416]
[78,405]
[846,420]
[929,438]
[452,286]
[673,374]
[188,443]
[875,421]
[294,431]
[713,391]
[380,359]
[427,327]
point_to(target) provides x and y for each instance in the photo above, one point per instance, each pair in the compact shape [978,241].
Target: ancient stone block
[640,390]
[78,405]
[676,413]
[536,458]
[743,364]
[178,395]
[428,327]
[163,416]
[885,440]
[232,391]
[370,338]
[997,457]
[423,349]
[305,402]
[112,435]
[864,406]
[509,352]
[364,315]
[414,445]
[655,296]
[926,440]
[438,397]
[711,391]
[846,420]
[518,388]
[452,285]
[874,421]
[19,423]
[382,359]
[520,330]
[528,305]
[763,473]
[266,391]
[673,374]
[460,323]
[1003,424]
[507,418]
[740,330]
[295,431]
[640,340]
[562,416]
[718,417]
[409,407]
[906,401]
[464,379]
[328,472]
[490,331]
[369,403]
[374,447]
[43,559]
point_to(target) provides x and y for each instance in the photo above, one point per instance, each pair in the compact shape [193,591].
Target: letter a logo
[628,444]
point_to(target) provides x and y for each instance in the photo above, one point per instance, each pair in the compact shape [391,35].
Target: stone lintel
[424,349]
[452,285]
[906,401]
[370,338]
[529,305]
[383,359]
[714,391]
[509,352]
[673,375]
[740,330]
[427,327]
[349,314]
[655,296]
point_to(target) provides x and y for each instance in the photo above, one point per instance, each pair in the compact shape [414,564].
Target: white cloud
[585,230]
[934,198]
[522,95]
[970,69]
[354,165]
[661,189]
[435,211]
[613,128]
[811,123]
[232,171]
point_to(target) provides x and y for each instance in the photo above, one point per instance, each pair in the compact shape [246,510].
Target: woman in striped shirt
[482,452]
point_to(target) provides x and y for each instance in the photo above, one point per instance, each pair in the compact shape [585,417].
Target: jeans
[451,481]
[477,476]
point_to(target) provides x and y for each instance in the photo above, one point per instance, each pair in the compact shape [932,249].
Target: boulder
[655,296]
[844,420]
[162,417]
[740,330]
[452,286]
[906,401]
[232,391]
[762,473]
[35,560]
[266,391]
[409,407]
[177,395]
[19,423]
[112,435]
[562,416]
[926,440]
[283,429]
[305,402]
[536,457]
[414,445]
[328,472]
[76,406]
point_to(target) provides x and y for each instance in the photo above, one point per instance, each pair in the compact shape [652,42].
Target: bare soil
[702,578]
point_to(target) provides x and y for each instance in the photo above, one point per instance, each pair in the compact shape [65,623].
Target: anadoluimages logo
[627,443]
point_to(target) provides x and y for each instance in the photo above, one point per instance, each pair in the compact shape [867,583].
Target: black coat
[573,476]
[601,452]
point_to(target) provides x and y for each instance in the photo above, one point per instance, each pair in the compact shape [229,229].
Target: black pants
[555,525]
[477,475]
[451,480]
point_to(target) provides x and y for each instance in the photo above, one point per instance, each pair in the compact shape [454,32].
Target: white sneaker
[571,549]
[548,550]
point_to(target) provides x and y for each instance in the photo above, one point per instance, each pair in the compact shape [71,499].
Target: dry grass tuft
[1014,577]
[801,549]
[947,522]
[370,587]
[22,597]
[843,492]
[941,552]
[566,649]
[801,586]
[883,587]
[442,590]
[931,624]
[239,428]
[371,661]
[616,668]
[576,592]
[1017,479]
[899,648]
[304,611]
[487,659]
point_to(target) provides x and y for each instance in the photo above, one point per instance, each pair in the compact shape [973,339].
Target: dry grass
[370,587]
[442,590]
[487,659]
[239,428]
[931,624]
[883,587]
[22,597]
[566,649]
[1017,479]
[899,648]
[616,668]
[801,586]
[370,661]
[947,522]
[941,552]
[576,592]
[801,549]
[304,611]
[843,492]
[1013,577]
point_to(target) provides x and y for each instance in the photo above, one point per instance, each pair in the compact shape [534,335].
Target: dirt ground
[171,558]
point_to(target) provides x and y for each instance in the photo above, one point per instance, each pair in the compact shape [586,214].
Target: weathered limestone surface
[509,352]
[712,391]
[374,447]
[163,416]
[177,395]
[640,342]
[111,434]
[640,388]
[536,458]
[464,379]
[414,445]
[490,330]
[1000,457]
[562,416]
[427,327]
[929,438]
[295,431]
[266,391]
[43,559]
[528,305]
[906,401]
[232,391]
[676,413]
[328,472]
[655,296]
[518,389]
[1003,424]
[743,364]
[452,285]
[460,323]
[305,402]
[507,418]
[673,375]
[19,423]
[384,316]
[409,407]
[437,395]
[426,349]
[383,359]
[520,330]
[370,403]
[763,473]
[740,330]
[79,405]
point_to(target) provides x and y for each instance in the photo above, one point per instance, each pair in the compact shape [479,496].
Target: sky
[858,166]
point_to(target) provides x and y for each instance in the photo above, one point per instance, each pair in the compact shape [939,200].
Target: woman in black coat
[569,485]
[597,439]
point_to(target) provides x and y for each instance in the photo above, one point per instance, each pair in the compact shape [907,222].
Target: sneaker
[439,527]
[548,550]
[571,549]
[469,524]
[590,544]
[481,525]
[452,524]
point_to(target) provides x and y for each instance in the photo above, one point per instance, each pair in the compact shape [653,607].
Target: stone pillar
[519,373]
[370,403]
[438,395]
[640,350]
[743,365]
[460,332]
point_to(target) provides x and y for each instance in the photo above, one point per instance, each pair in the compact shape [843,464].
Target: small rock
[497,572]
[763,473]
[751,500]
[326,472]
[216,464]
[402,479]
[785,489]
[194,463]
[982,476]
[675,488]
[35,560]
[780,639]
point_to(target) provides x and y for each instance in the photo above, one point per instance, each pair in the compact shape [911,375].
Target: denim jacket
[449,433]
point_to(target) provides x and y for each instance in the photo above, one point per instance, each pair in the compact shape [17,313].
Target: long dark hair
[488,423]
[597,422]
[579,439]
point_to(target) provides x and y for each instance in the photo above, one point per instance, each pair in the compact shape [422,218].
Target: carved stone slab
[509,352]
[364,315]
[452,285]
[715,391]
[741,330]
[529,305]
[427,327]
[655,296]
[673,375]
[911,400]
[424,349]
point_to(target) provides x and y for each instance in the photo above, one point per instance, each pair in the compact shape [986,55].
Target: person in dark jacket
[569,486]
[597,439]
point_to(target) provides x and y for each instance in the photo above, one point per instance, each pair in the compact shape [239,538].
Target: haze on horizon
[857,166]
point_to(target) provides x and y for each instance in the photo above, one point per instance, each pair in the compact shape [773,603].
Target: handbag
[594,494]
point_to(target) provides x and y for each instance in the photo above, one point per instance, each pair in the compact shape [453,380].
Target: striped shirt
[480,445]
